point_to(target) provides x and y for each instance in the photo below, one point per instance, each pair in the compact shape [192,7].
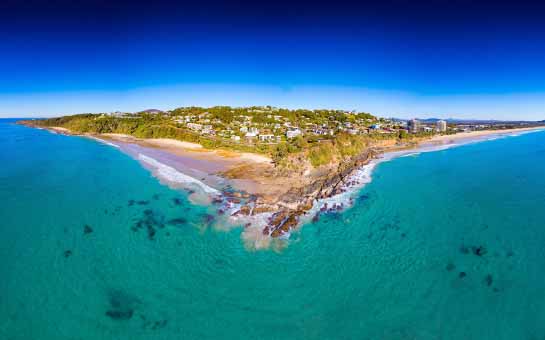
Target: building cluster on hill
[272,125]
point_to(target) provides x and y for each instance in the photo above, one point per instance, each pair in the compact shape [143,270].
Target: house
[267,138]
[194,126]
[352,131]
[293,133]
[250,135]
[208,130]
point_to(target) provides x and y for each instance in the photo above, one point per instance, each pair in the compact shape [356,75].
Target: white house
[266,138]
[194,126]
[293,133]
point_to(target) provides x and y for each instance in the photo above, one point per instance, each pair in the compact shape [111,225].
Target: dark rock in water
[488,280]
[208,218]
[177,221]
[462,275]
[122,305]
[363,197]
[479,251]
[464,249]
[150,221]
[67,253]
[450,267]
[130,203]
[151,232]
[142,202]
[156,196]
[159,324]
[177,201]
[120,315]
[87,229]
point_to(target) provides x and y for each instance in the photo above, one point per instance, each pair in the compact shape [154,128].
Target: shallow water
[154,267]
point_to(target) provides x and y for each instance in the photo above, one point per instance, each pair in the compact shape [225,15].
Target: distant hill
[152,111]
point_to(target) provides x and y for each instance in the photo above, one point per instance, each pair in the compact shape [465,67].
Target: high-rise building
[413,126]
[441,126]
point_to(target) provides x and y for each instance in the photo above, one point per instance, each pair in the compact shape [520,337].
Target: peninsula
[274,163]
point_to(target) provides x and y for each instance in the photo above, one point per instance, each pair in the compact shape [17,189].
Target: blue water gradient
[440,245]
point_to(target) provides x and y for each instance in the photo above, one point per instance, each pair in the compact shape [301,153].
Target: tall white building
[441,126]
[413,126]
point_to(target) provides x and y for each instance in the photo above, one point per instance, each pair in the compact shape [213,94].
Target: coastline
[475,135]
[246,189]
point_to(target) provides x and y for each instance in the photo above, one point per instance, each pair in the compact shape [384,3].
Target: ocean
[447,244]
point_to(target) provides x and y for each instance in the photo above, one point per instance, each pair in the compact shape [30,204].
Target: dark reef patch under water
[87,229]
[121,305]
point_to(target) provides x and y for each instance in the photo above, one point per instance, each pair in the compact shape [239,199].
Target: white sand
[476,134]
[174,143]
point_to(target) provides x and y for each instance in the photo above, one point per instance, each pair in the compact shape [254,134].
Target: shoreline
[269,206]
[476,135]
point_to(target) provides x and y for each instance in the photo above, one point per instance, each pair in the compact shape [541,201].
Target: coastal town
[272,125]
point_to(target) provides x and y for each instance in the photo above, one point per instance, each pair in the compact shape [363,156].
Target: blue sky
[405,59]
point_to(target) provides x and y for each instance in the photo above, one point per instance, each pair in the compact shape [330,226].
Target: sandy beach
[253,173]
[478,134]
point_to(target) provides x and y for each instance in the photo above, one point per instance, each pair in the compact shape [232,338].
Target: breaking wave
[172,175]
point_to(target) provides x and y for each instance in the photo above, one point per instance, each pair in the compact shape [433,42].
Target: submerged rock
[479,251]
[208,219]
[488,280]
[122,305]
[464,249]
[159,324]
[120,315]
[150,221]
[67,253]
[87,229]
[462,275]
[450,267]
[177,221]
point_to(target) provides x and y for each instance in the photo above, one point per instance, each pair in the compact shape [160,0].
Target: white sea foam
[170,174]
[104,142]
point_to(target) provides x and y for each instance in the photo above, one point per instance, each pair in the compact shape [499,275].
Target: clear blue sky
[399,58]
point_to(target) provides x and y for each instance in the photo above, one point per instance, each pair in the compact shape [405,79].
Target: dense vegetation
[319,149]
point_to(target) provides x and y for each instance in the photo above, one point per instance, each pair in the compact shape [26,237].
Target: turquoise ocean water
[440,245]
